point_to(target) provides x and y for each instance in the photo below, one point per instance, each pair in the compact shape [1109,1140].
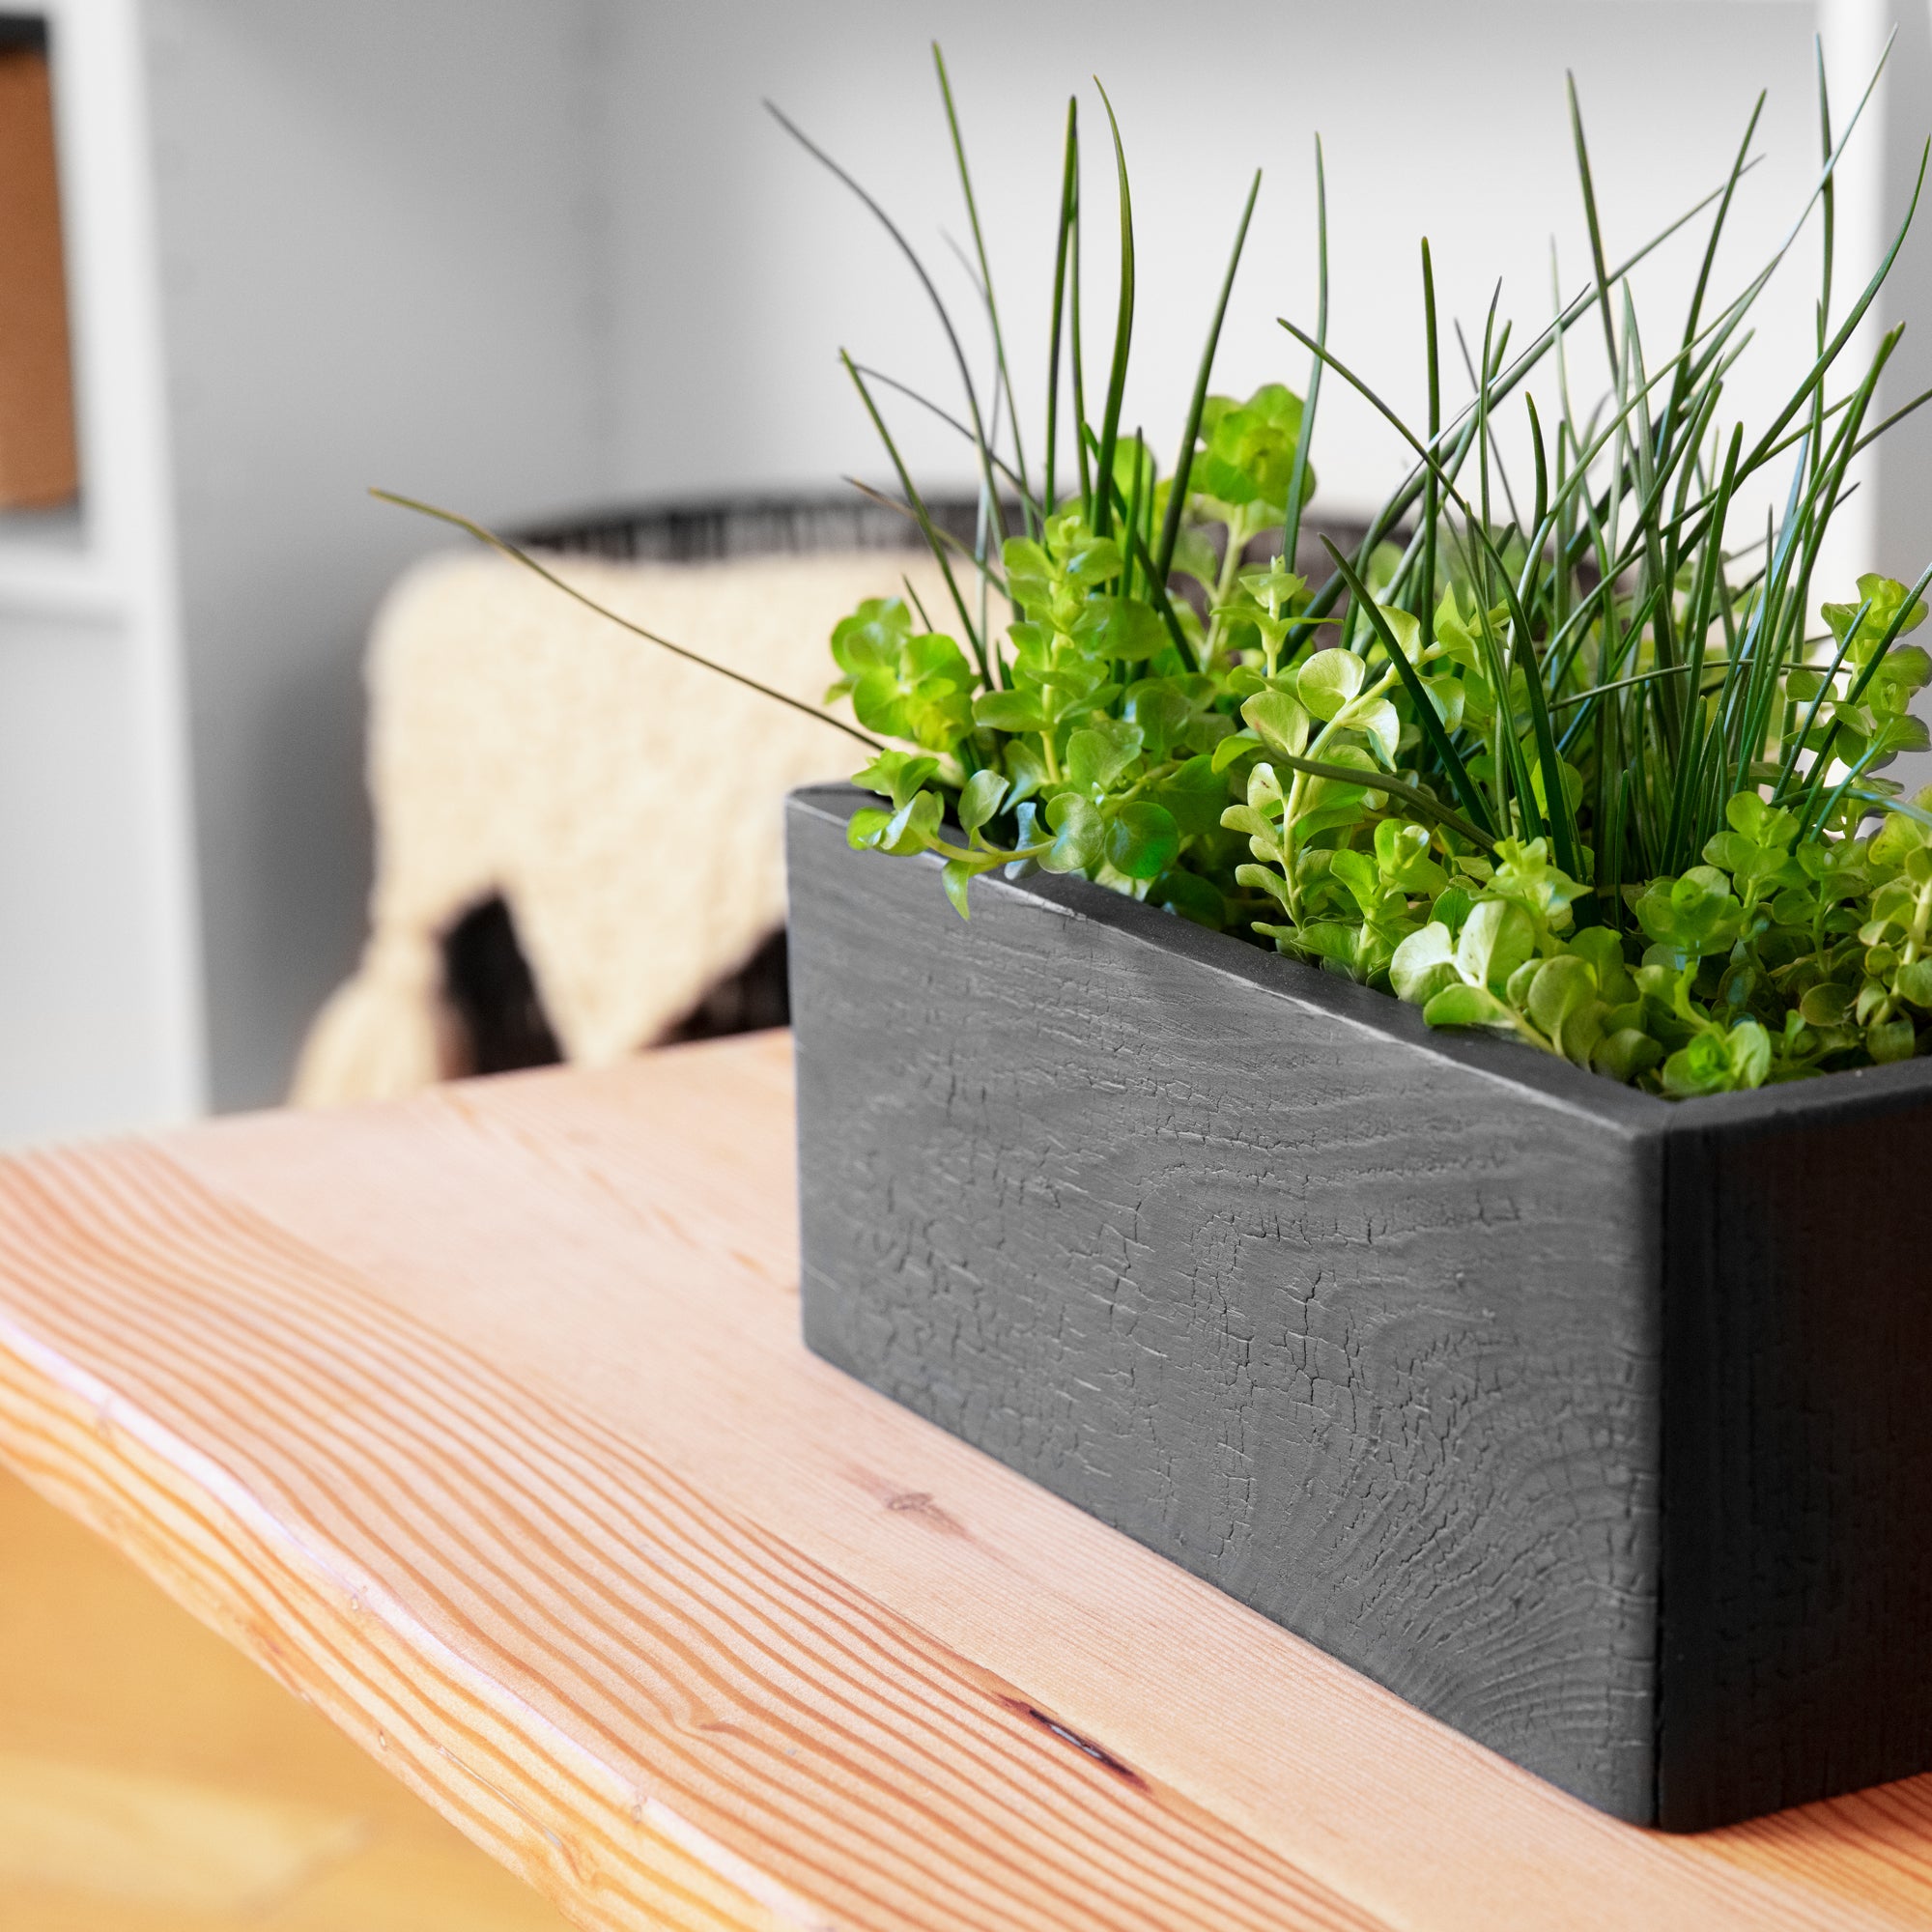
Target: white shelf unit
[309,250]
[101,1014]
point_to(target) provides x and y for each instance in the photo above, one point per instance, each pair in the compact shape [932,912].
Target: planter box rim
[1536,1078]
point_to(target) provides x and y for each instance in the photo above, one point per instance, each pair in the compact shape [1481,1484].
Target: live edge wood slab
[1593,1423]
[483,1423]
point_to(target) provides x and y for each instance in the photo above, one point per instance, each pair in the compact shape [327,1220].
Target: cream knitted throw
[626,804]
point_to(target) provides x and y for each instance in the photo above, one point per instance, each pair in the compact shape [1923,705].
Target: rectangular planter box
[1596,1426]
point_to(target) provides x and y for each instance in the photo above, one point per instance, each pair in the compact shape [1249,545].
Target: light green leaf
[1098,754]
[1465,1006]
[1194,556]
[1380,726]
[864,829]
[1008,711]
[872,637]
[1236,744]
[1407,631]
[913,827]
[1914,983]
[1626,1053]
[1280,721]
[1196,795]
[1143,840]
[1424,963]
[1118,626]
[1328,680]
[1495,939]
[955,876]
[1561,988]
[1263,879]
[1080,833]
[981,798]
[898,775]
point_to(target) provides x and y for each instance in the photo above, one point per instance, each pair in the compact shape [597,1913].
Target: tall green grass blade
[1077,358]
[1184,463]
[1829,227]
[1069,181]
[1681,672]
[927,525]
[1425,612]
[1459,429]
[1848,328]
[917,602]
[1424,706]
[1558,807]
[1686,379]
[987,572]
[1885,801]
[484,535]
[918,268]
[1541,457]
[1124,330]
[1829,189]
[1691,759]
[1297,477]
[1898,416]
[1133,524]
[1591,221]
[1787,762]
[950,422]
[1806,523]
[1135,547]
[1763,640]
[1004,377]
[1411,795]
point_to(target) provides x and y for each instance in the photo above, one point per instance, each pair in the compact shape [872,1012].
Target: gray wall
[381,254]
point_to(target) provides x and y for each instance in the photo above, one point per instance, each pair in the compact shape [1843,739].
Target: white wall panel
[379,264]
[83,928]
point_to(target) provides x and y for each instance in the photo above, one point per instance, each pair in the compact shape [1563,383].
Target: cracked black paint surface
[1364,1325]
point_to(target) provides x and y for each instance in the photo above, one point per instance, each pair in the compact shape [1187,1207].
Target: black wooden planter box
[1598,1427]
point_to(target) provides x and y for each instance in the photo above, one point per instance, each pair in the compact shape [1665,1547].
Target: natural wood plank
[483,1420]
[585,1662]
[1874,1845]
[143,1760]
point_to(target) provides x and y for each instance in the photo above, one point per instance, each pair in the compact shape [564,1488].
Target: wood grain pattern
[101,1675]
[1227,1252]
[483,1422]
[1797,1455]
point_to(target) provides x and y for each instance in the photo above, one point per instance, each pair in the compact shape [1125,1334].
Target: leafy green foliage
[907,684]
[1573,763]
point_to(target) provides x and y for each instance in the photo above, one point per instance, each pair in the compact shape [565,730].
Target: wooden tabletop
[483,1423]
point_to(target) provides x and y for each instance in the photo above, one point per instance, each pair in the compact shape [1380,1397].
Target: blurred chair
[578,835]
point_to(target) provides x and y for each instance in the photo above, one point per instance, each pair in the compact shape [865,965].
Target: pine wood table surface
[482,1422]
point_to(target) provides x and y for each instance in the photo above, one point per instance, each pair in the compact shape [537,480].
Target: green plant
[1588,777]
[1569,762]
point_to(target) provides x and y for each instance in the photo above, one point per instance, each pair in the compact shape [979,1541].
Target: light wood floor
[152,1779]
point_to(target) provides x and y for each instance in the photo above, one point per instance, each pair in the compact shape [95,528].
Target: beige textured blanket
[625,805]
